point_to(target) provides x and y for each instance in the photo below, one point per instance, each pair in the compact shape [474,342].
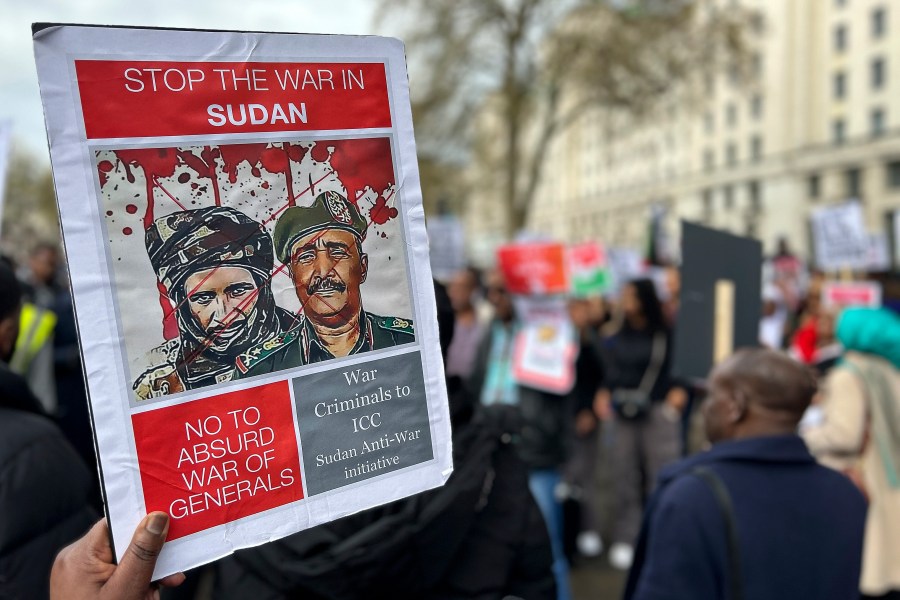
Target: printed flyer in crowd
[249,264]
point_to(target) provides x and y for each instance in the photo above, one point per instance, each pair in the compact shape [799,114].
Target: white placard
[840,237]
[447,240]
[249,267]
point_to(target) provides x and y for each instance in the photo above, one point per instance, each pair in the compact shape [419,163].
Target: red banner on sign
[122,99]
[216,460]
[538,268]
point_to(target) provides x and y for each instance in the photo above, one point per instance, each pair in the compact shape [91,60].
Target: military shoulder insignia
[259,352]
[395,324]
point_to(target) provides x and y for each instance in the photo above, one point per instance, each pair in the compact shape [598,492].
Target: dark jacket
[626,357]
[44,492]
[544,428]
[799,527]
[479,536]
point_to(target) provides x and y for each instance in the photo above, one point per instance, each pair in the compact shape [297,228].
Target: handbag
[634,403]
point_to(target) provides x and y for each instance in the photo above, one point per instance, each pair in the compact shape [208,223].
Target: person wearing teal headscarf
[861,434]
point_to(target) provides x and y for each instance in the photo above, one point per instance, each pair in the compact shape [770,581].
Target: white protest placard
[879,255]
[249,266]
[840,237]
[625,264]
[447,241]
[544,350]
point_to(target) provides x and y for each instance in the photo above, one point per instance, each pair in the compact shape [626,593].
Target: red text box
[215,460]
[123,99]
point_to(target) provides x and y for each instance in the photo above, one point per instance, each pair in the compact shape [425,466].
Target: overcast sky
[19,97]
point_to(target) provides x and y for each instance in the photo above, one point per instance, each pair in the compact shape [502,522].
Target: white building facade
[813,119]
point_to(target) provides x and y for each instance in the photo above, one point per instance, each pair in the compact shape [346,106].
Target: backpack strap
[723,499]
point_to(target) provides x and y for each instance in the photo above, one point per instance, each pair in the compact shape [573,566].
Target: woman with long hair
[644,407]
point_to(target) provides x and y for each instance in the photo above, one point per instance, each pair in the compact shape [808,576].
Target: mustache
[325,284]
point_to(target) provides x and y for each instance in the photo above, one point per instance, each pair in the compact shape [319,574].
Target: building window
[731,114]
[709,160]
[756,106]
[840,38]
[840,85]
[728,197]
[709,122]
[756,148]
[878,122]
[707,205]
[757,64]
[755,198]
[853,181]
[814,185]
[838,129]
[731,154]
[878,73]
[878,22]
[893,175]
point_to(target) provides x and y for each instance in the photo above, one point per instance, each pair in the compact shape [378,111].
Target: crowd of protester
[783,483]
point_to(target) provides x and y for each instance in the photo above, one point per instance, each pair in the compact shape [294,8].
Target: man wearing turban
[215,264]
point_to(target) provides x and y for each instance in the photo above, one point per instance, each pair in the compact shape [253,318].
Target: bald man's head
[757,392]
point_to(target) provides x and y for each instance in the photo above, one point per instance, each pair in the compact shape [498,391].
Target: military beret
[185,242]
[330,210]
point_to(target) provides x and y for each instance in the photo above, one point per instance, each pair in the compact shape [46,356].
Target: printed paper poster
[588,271]
[534,268]
[250,273]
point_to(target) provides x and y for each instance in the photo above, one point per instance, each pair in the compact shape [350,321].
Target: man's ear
[364,267]
[739,407]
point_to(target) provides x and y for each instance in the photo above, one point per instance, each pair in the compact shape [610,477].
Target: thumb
[131,579]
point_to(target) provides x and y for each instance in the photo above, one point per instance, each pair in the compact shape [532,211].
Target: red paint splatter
[109,213]
[234,154]
[205,166]
[274,160]
[103,169]
[156,162]
[255,172]
[265,185]
[127,231]
[360,164]
[184,178]
[131,209]
[296,152]
[195,185]
[381,212]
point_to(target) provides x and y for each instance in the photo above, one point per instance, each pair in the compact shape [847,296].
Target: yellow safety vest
[35,328]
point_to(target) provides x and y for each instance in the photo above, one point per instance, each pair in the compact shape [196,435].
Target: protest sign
[588,271]
[841,294]
[878,257]
[534,268]
[447,241]
[544,349]
[720,298]
[625,264]
[250,278]
[840,238]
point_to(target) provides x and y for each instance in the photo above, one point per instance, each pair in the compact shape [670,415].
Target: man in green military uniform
[322,247]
